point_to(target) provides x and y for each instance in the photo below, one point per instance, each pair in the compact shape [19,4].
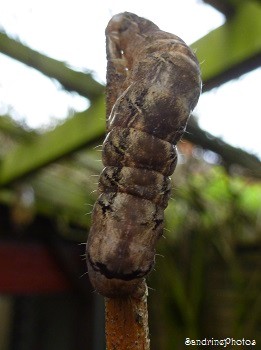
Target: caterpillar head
[121,244]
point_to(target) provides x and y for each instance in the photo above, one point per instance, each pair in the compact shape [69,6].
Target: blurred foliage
[216,203]
[208,283]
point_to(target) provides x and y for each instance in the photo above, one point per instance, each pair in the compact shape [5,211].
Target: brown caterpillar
[153,84]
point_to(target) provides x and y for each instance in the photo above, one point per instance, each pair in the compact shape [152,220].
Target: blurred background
[207,280]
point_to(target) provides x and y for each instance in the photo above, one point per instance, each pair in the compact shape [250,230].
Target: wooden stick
[126,323]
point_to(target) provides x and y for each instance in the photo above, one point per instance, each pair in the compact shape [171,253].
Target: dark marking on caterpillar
[153,84]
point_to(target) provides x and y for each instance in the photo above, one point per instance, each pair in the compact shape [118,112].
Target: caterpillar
[153,84]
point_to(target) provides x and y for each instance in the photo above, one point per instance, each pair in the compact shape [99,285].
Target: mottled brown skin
[143,183]
[138,149]
[153,84]
[118,251]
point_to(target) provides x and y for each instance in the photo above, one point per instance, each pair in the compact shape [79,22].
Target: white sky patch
[30,97]
[232,111]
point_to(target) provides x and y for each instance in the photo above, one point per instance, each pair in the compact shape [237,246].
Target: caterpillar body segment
[153,84]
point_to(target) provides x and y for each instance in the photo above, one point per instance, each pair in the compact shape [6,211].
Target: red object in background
[29,268]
